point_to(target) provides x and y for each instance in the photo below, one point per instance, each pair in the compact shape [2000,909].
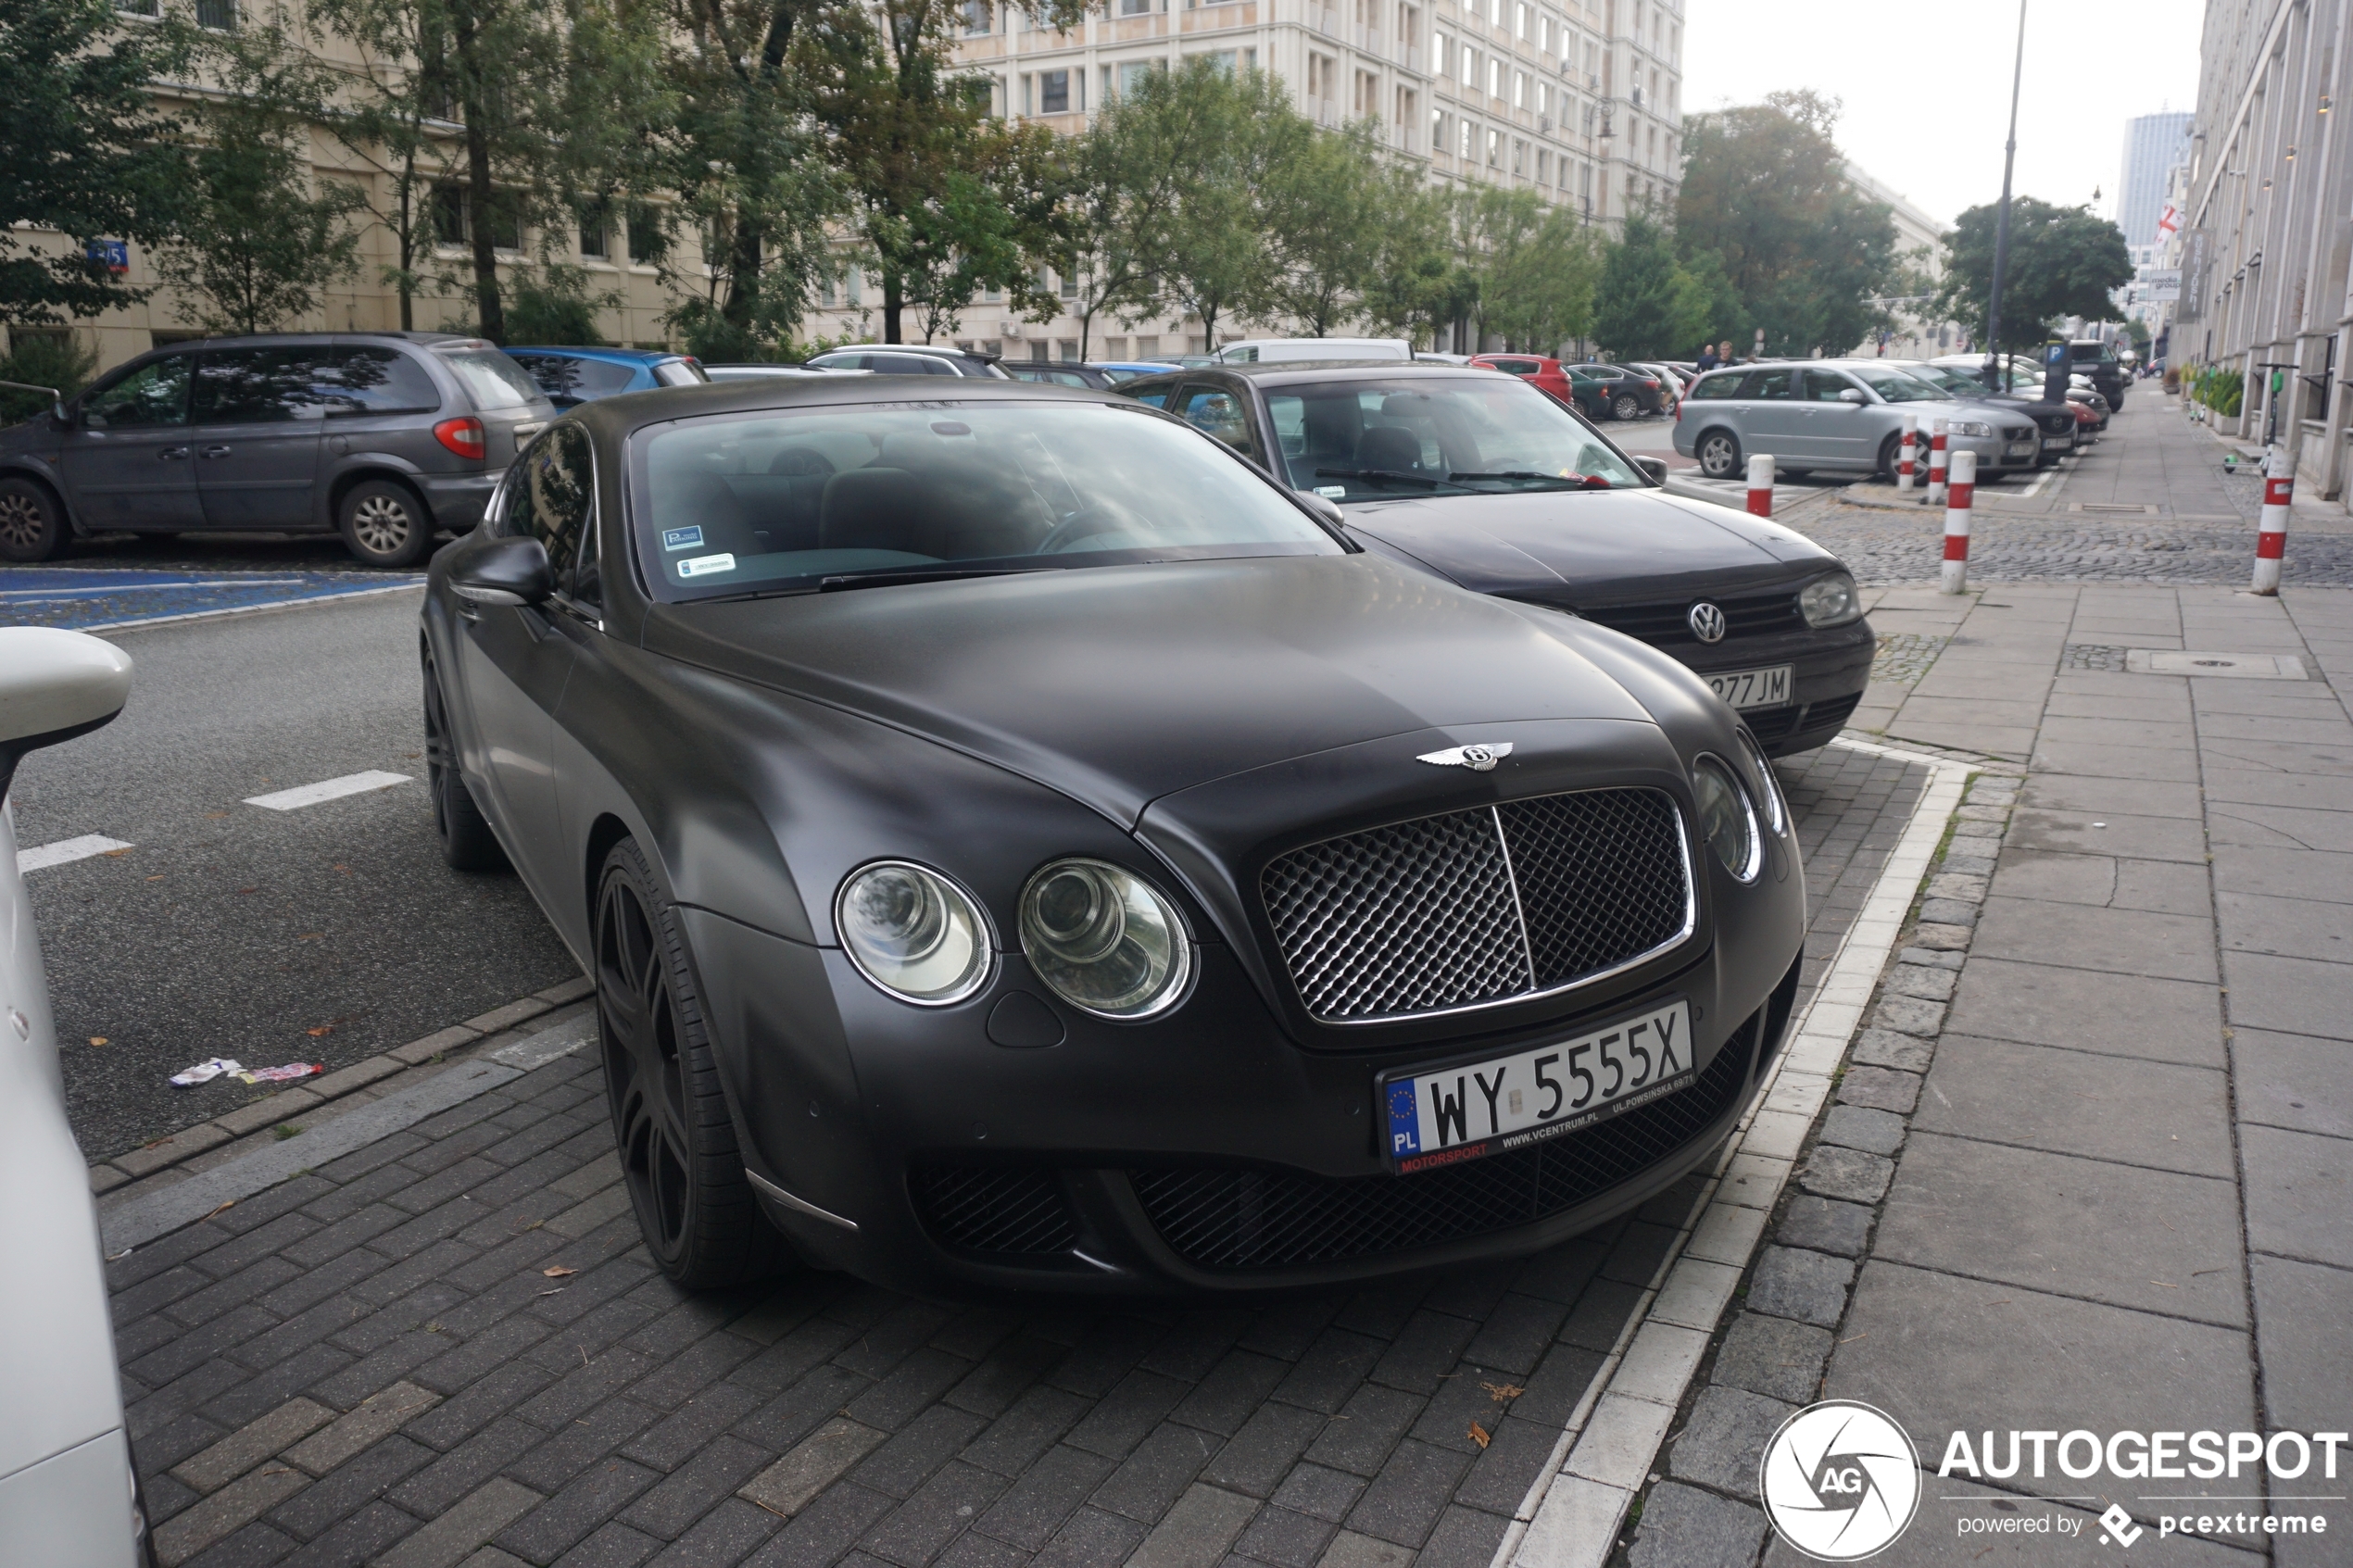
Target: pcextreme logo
[1840,1481]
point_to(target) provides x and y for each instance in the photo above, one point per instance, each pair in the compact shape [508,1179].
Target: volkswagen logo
[1707,622]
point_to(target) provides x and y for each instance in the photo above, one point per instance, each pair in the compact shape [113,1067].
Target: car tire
[1625,407]
[1891,453]
[467,843]
[384,523]
[679,1159]
[1719,455]
[32,521]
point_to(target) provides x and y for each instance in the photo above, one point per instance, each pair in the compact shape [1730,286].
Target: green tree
[86,152]
[2063,261]
[1534,267]
[1420,286]
[1326,218]
[1644,308]
[260,235]
[992,214]
[1804,251]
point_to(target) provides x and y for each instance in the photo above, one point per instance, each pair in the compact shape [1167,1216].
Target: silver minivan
[1838,416]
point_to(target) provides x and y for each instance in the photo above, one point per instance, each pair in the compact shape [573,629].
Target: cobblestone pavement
[1891,546]
[450,1348]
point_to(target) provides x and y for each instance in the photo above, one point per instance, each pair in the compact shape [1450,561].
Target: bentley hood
[1117,685]
[1601,546]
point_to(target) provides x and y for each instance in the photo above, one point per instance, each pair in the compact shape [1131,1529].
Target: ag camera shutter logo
[1840,1481]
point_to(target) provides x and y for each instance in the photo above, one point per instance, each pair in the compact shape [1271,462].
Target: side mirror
[55,686]
[1851,394]
[506,571]
[1655,467]
[1323,506]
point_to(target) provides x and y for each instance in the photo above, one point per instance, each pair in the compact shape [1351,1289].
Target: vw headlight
[1829,601]
[912,932]
[1971,427]
[1104,939]
[1727,819]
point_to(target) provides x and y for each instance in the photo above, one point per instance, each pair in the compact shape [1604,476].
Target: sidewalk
[2091,1166]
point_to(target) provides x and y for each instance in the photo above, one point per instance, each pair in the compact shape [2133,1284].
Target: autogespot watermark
[1842,1481]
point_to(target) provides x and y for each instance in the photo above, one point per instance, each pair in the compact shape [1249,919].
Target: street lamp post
[2002,221]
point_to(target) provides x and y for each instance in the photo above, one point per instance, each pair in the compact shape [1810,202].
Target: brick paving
[450,1348]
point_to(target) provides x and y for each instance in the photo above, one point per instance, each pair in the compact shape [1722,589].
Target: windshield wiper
[894,577]
[1381,476]
[1557,480]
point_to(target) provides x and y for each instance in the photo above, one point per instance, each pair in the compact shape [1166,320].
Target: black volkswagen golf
[1484,481]
[1018,845]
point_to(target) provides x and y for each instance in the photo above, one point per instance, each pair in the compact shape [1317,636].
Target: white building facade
[1577,100]
[1919,243]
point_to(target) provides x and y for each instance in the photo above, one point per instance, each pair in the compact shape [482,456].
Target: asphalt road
[325,933]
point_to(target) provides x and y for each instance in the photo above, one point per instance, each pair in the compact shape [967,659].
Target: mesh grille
[1234,1219]
[1420,916]
[1667,625]
[994,1209]
[1599,874]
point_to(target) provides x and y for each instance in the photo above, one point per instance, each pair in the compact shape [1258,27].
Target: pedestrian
[1724,353]
[1707,359]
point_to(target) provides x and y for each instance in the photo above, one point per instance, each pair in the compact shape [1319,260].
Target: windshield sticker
[703,566]
[1335,491]
[681,538]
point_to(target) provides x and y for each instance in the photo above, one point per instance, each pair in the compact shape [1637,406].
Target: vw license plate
[1445,1116]
[1752,688]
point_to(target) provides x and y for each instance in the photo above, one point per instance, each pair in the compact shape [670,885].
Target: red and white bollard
[1907,452]
[1954,579]
[2271,541]
[1760,484]
[1936,457]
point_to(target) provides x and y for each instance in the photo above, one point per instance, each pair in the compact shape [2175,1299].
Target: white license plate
[2022,448]
[1752,688]
[1444,1116]
[2059,443]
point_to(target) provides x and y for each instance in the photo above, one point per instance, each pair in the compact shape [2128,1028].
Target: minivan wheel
[32,525]
[1719,455]
[384,523]
[1626,408]
[679,1157]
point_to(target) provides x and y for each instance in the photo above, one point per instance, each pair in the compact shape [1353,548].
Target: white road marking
[66,850]
[326,789]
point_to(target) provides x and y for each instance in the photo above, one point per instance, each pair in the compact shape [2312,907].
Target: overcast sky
[1927,89]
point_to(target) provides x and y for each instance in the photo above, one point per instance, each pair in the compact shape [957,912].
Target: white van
[1277,350]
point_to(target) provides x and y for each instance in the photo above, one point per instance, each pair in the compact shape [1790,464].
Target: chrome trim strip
[1690,924]
[799,1205]
[1511,875]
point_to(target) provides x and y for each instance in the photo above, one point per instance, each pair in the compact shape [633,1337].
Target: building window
[1544,167]
[1068,347]
[645,235]
[1053,91]
[1070,286]
[449,214]
[1519,21]
[977,20]
[1519,156]
[219,15]
[1131,75]
[595,224]
[1470,66]
[139,8]
[1439,45]
[1437,130]
[1494,77]
[1134,8]
[1468,134]
[1519,89]
[1494,148]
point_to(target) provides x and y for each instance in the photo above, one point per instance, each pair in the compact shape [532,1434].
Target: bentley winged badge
[1477,759]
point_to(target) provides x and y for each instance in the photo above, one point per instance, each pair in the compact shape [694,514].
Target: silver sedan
[1840,415]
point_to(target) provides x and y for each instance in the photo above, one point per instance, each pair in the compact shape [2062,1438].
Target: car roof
[617,416]
[615,356]
[938,350]
[1282,371]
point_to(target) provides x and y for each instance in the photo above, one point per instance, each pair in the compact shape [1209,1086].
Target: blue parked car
[573,376]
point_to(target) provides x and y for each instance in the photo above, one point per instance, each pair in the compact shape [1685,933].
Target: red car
[1591,398]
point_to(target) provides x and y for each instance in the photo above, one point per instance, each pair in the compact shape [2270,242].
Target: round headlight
[1104,939]
[1829,601]
[1776,811]
[913,932]
[1727,819]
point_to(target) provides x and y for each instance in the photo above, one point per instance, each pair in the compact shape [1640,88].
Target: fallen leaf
[97,1039]
[1502,1390]
[323,1029]
[245,890]
[312,937]
[1478,1434]
[157,877]
[558,1272]
[117,854]
[231,1204]
[213,816]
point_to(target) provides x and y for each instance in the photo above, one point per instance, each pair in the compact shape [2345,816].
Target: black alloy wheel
[677,1144]
[1719,455]
[467,843]
[1626,405]
[32,525]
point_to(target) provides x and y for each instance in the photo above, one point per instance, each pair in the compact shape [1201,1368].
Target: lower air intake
[985,1209]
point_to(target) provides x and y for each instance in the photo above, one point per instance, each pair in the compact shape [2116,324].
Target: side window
[1823,386]
[1220,414]
[250,386]
[376,380]
[155,394]
[1157,397]
[1769,385]
[550,498]
[900,364]
[1709,388]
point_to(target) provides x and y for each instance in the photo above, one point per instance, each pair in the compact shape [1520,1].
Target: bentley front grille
[1481,906]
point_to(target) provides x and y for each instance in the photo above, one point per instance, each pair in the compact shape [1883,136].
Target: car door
[1772,420]
[1833,430]
[516,658]
[126,462]
[254,420]
[1224,413]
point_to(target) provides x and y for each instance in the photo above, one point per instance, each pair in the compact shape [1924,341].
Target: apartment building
[1577,100]
[1919,243]
[2267,282]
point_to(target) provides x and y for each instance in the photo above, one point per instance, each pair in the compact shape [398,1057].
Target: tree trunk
[490,313]
[743,276]
[894,301]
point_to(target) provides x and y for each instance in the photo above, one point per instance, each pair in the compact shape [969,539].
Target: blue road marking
[84,599]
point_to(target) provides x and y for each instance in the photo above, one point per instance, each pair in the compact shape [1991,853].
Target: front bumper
[1830,669]
[1997,456]
[458,499]
[1111,1165]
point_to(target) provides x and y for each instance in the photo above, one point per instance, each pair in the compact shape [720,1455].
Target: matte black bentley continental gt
[1018,845]
[1488,482]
